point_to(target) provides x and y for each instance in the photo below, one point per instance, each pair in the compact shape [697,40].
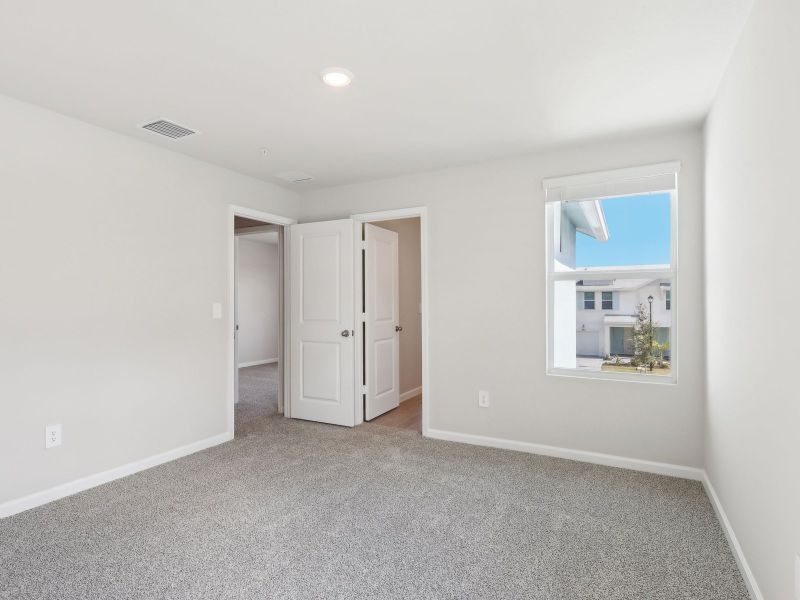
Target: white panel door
[382,315]
[321,263]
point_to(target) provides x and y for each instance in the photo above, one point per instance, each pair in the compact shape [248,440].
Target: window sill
[611,376]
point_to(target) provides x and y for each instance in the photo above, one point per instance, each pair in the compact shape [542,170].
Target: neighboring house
[569,219]
[606,313]
[604,310]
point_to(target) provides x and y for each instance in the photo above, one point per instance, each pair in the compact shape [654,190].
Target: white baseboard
[410,394]
[738,554]
[18,505]
[634,464]
[609,460]
[254,363]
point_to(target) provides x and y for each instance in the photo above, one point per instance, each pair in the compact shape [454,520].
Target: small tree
[660,350]
[644,338]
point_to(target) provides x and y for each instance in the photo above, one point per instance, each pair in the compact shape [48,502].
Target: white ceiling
[436,83]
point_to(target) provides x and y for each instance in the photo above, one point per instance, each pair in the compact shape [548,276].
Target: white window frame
[635,181]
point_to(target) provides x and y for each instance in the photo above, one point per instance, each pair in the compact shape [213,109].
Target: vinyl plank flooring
[406,416]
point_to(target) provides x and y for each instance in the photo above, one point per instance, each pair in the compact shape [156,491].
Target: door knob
[346,333]
[398,328]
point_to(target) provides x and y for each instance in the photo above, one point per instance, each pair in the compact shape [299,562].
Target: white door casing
[236,319]
[322,322]
[382,314]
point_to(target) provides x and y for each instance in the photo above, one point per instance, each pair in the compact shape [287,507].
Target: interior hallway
[258,397]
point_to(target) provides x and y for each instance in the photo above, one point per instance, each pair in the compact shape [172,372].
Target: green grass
[664,371]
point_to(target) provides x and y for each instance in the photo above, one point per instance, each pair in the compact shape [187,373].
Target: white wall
[106,319]
[259,300]
[487,303]
[565,347]
[626,302]
[752,214]
[408,241]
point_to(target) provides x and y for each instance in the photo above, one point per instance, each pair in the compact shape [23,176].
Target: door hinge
[364,390]
[363,244]
[363,317]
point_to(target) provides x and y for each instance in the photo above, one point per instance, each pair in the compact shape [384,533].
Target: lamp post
[650,301]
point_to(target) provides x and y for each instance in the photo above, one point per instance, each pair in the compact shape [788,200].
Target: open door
[321,260]
[382,315]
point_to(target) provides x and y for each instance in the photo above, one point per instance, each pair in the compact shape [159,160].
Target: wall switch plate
[52,436]
[216,310]
[483,399]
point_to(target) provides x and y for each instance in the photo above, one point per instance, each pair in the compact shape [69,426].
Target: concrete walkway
[589,363]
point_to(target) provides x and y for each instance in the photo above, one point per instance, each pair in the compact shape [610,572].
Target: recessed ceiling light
[337,77]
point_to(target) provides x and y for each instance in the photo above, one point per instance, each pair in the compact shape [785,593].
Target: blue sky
[638,233]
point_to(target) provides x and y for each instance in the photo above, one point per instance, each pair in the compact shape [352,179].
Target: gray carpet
[258,397]
[301,510]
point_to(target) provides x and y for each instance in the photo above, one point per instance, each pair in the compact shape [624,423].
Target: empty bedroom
[399,300]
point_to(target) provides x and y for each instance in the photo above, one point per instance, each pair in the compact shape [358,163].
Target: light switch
[216,310]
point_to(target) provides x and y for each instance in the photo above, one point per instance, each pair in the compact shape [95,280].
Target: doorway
[257,319]
[392,323]
[326,375]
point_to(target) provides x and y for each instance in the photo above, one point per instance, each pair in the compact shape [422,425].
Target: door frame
[251,213]
[388,215]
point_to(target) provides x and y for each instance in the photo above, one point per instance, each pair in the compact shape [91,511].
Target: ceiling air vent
[294,176]
[169,129]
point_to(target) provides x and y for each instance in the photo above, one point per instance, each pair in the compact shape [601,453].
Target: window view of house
[612,285]
[608,332]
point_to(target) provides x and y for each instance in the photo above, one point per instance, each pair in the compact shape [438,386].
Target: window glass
[620,232]
[612,262]
[588,300]
[608,301]
[635,338]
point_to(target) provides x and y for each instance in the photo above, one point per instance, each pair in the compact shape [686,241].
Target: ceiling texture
[436,84]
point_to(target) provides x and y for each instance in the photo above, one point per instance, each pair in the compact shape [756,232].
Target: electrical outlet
[483,399]
[216,310]
[52,436]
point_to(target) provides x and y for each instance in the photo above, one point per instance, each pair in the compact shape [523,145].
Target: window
[588,300]
[608,301]
[612,233]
